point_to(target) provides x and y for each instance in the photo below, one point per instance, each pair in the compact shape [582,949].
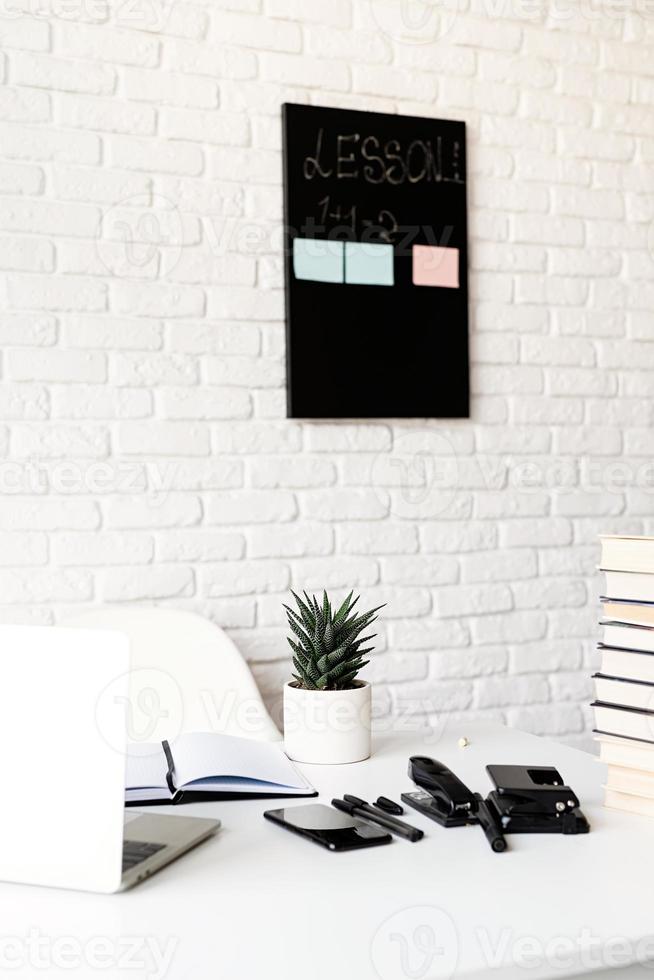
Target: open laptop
[63,698]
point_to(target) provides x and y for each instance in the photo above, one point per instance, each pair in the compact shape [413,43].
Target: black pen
[359,808]
[494,835]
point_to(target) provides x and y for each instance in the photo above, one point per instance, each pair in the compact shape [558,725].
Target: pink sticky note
[435,266]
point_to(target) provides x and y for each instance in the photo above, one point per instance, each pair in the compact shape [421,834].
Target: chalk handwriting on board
[349,157]
[387,225]
[350,219]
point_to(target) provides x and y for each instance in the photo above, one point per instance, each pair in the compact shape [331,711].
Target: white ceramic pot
[327,727]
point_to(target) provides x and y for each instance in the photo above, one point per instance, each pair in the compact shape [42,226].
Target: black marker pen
[359,808]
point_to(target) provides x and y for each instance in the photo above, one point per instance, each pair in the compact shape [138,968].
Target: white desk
[258,903]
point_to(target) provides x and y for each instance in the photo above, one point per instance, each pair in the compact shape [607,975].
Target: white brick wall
[146,453]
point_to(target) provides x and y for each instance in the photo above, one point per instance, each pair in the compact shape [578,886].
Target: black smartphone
[328,827]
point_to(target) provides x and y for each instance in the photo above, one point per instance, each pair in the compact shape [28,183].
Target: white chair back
[186,675]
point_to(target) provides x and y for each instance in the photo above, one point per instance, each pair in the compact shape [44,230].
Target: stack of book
[624,687]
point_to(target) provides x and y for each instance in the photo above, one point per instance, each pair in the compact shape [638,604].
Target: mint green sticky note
[369,264]
[318,260]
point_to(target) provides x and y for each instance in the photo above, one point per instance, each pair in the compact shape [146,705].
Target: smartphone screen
[329,827]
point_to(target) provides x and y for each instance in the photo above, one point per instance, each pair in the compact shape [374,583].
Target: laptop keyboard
[135,851]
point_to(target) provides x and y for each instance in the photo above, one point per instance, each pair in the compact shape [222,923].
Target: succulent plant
[328,649]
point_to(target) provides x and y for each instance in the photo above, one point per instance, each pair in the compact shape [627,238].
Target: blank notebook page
[146,766]
[208,756]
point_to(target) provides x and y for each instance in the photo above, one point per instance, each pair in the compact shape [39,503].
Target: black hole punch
[545,777]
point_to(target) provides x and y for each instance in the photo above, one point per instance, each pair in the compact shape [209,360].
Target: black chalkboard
[376,265]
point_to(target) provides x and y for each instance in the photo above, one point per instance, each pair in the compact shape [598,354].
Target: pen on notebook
[359,808]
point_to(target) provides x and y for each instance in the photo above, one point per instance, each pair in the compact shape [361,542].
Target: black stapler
[444,798]
[534,800]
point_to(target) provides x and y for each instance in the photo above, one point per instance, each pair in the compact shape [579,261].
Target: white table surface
[257,902]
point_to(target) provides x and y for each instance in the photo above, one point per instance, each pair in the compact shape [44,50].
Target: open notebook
[207,766]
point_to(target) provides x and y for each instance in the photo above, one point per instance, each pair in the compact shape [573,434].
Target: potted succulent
[326,707]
